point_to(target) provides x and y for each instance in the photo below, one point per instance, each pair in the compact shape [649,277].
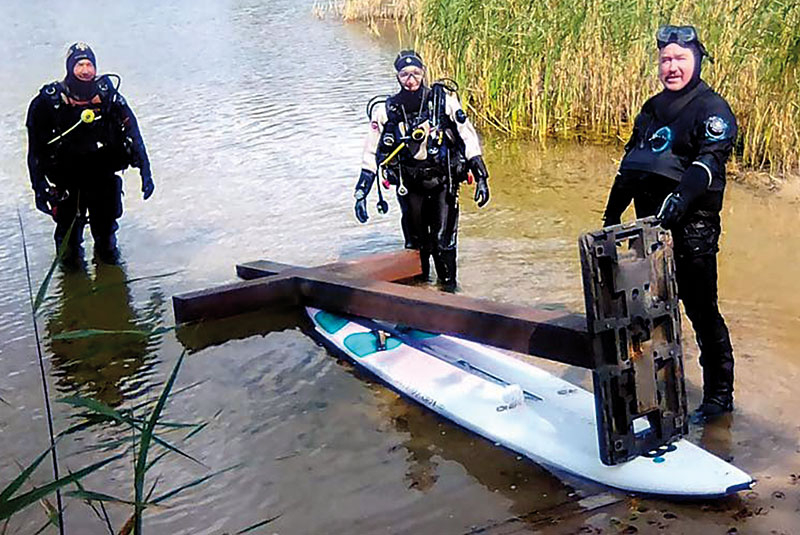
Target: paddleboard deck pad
[520,407]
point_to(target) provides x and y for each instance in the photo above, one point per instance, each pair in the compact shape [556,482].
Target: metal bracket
[633,320]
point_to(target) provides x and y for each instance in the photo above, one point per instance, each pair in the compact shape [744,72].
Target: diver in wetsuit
[81,132]
[674,167]
[422,142]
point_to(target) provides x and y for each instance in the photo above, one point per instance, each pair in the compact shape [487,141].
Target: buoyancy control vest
[80,132]
[422,140]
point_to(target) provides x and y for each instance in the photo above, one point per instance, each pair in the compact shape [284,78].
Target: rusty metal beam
[543,333]
[560,336]
[235,298]
[394,266]
[280,291]
[261,268]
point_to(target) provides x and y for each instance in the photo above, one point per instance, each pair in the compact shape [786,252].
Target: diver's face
[410,78]
[84,70]
[675,66]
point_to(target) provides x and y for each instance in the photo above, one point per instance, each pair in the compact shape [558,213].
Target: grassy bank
[583,69]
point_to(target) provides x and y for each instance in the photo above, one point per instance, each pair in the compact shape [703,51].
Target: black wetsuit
[424,143]
[680,143]
[82,164]
[430,208]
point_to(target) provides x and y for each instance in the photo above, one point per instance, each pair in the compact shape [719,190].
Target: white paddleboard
[522,408]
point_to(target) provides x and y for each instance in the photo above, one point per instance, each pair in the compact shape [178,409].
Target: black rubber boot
[105,249]
[711,410]
[717,382]
[445,261]
[717,363]
[425,265]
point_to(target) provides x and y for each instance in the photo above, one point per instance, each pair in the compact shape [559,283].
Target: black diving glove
[361,210]
[481,175]
[693,183]
[672,210]
[148,186]
[363,186]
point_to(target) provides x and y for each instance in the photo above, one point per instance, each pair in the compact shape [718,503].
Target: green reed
[568,70]
[145,442]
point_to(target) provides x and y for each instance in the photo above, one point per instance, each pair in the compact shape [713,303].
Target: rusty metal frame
[634,321]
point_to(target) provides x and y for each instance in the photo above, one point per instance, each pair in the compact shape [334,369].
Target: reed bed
[368,10]
[552,69]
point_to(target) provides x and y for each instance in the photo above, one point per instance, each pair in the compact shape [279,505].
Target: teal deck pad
[330,322]
[415,334]
[365,344]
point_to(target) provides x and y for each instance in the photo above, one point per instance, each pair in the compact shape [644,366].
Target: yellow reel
[87,116]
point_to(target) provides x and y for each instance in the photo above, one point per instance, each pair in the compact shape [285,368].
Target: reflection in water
[433,440]
[103,366]
[198,336]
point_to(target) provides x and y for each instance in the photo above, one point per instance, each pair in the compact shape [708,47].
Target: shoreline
[532,73]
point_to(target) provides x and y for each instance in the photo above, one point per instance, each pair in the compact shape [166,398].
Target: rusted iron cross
[362,287]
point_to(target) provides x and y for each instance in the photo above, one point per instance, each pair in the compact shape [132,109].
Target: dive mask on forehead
[683,35]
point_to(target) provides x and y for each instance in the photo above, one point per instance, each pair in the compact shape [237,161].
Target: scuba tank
[437,110]
[444,144]
[387,140]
